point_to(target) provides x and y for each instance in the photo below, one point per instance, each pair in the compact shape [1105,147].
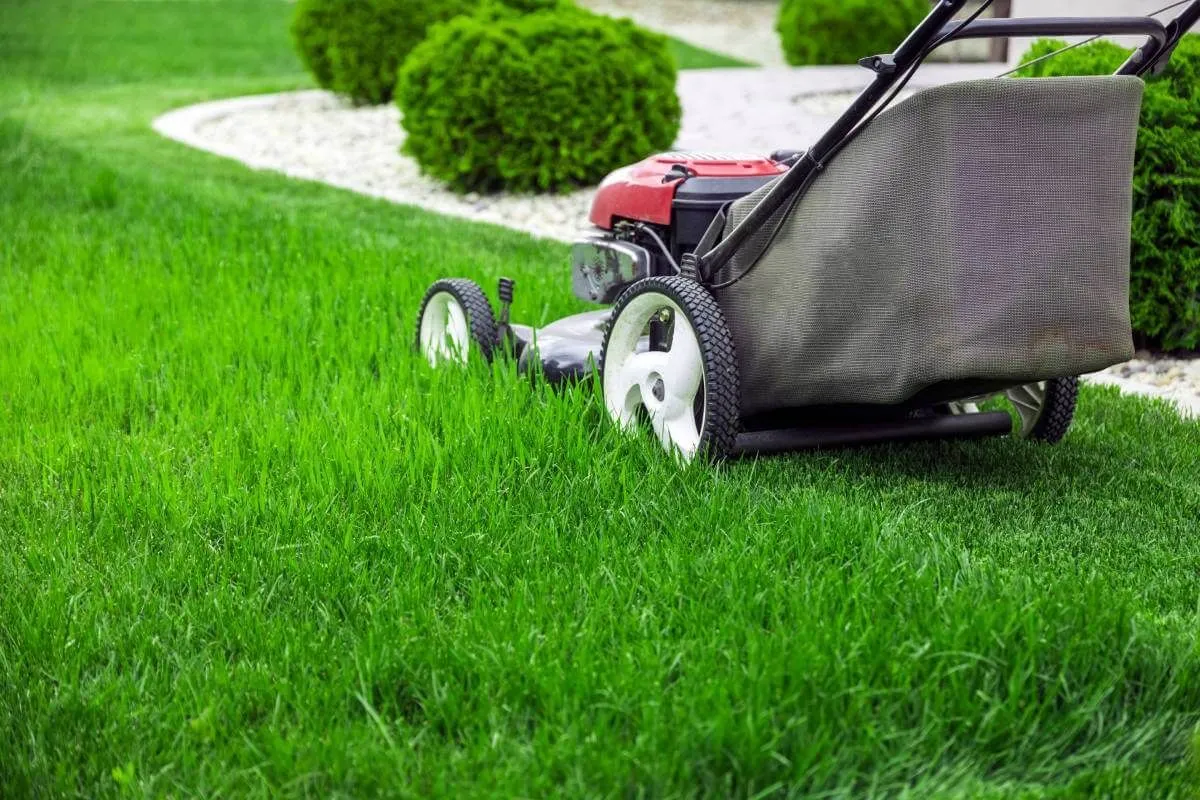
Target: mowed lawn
[250,545]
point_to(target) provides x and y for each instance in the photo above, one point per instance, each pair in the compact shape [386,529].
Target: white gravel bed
[1176,380]
[316,136]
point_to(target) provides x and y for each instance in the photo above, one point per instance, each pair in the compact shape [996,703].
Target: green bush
[541,102]
[354,47]
[1165,289]
[843,31]
[311,22]
[529,6]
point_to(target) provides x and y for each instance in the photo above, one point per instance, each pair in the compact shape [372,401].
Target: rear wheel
[684,381]
[455,323]
[1046,408]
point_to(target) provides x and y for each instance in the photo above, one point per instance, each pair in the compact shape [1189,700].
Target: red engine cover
[637,192]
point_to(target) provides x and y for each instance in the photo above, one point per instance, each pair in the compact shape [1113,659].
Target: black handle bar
[1057,26]
[1154,53]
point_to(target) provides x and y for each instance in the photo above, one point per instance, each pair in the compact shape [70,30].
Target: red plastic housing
[637,192]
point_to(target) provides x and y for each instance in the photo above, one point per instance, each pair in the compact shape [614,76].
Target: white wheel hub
[1029,401]
[445,331]
[666,384]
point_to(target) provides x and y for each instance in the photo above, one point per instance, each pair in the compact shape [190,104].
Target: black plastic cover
[697,201]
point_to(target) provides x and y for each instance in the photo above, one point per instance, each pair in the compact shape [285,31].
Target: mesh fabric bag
[976,233]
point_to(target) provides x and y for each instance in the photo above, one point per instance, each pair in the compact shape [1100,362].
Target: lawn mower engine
[646,217]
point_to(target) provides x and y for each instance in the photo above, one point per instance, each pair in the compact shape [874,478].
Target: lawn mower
[968,243]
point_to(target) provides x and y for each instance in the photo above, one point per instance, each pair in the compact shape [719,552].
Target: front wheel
[683,379]
[455,322]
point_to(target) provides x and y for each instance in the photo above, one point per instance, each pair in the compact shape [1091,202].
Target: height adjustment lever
[503,328]
[880,65]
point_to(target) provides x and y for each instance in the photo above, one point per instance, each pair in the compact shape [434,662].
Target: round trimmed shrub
[540,102]
[311,22]
[1165,268]
[843,31]
[354,47]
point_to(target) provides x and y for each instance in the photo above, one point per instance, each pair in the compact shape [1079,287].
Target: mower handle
[1160,43]
[1056,26]
[937,28]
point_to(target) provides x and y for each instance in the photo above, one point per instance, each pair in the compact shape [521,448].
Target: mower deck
[568,351]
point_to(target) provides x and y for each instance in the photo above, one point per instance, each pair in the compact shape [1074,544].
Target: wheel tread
[1058,411]
[478,308]
[721,384]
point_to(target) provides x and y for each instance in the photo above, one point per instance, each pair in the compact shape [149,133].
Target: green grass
[689,56]
[249,545]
